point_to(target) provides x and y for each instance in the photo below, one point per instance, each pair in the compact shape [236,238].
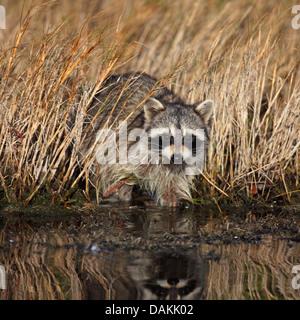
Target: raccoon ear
[151,107]
[205,110]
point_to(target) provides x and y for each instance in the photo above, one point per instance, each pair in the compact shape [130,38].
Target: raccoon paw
[168,201]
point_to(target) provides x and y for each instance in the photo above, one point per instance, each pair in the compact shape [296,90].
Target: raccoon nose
[176,158]
[173,281]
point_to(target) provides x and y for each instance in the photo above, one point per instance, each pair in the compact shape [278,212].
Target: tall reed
[244,56]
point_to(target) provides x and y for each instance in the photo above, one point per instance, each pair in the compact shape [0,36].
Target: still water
[149,253]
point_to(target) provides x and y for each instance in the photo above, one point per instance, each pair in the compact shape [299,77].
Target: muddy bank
[144,227]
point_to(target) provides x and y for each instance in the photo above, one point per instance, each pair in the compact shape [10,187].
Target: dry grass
[243,55]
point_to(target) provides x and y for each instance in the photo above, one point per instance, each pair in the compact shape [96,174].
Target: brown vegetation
[55,55]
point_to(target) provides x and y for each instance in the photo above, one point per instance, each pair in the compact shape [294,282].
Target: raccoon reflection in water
[165,146]
[169,277]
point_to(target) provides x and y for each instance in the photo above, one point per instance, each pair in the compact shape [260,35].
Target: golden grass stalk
[245,57]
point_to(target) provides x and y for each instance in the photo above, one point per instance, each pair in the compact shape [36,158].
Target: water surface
[150,253]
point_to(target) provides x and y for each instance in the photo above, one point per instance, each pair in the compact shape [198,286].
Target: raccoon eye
[191,140]
[188,288]
[166,139]
[158,290]
[161,292]
[194,142]
[171,140]
[156,142]
[184,291]
[160,139]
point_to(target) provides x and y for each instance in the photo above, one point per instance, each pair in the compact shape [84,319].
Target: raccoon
[160,152]
[169,277]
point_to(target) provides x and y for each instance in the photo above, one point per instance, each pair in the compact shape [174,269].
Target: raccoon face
[178,133]
[172,289]
[169,277]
